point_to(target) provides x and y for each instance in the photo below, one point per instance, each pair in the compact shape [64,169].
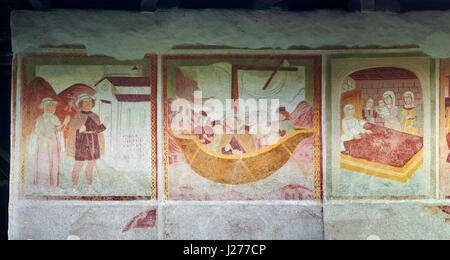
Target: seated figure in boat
[204,130]
[268,135]
[352,128]
[275,130]
[286,124]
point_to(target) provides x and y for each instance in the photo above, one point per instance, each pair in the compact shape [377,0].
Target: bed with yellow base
[385,153]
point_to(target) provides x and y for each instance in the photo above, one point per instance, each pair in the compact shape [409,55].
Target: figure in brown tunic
[85,142]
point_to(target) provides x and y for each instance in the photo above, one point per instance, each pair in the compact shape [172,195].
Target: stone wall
[333,203]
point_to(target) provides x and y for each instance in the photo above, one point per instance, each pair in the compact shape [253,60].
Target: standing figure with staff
[86,142]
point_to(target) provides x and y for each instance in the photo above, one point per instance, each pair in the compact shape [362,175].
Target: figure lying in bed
[351,127]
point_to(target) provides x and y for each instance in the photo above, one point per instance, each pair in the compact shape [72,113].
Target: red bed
[384,153]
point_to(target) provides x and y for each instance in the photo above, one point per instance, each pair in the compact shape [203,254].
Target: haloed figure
[410,115]
[46,145]
[86,143]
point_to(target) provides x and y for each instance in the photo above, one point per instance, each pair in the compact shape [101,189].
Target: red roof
[128,81]
[133,98]
[383,73]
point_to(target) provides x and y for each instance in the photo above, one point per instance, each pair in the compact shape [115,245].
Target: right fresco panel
[380,108]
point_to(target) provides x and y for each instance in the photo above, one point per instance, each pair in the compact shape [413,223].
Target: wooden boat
[239,169]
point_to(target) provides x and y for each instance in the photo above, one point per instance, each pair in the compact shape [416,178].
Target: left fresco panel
[85,127]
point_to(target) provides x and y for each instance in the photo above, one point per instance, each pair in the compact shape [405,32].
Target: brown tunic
[89,145]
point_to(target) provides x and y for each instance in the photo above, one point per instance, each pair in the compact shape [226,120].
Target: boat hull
[239,169]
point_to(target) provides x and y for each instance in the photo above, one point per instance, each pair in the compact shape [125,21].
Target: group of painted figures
[386,113]
[84,142]
[236,136]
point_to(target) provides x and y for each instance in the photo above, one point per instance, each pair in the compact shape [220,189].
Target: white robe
[391,121]
[45,147]
[351,127]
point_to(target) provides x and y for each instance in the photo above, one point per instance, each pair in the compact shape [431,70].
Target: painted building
[126,101]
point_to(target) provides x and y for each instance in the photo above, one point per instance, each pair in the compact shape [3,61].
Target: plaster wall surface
[127,36]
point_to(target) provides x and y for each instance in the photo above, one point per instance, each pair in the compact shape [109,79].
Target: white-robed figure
[352,128]
[46,145]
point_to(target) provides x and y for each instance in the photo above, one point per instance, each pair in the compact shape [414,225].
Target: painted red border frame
[317,96]
[153,59]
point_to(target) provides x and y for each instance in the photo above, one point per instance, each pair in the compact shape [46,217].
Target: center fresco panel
[242,127]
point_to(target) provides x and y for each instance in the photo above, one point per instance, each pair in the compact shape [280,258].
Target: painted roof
[133,98]
[127,81]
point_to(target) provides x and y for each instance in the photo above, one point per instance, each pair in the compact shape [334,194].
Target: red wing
[32,95]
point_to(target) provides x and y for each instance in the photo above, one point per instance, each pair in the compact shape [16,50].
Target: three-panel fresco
[298,125]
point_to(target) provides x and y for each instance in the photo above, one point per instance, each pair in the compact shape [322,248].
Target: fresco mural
[87,127]
[242,127]
[384,149]
[235,127]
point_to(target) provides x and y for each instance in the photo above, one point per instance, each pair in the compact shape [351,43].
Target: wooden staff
[95,164]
